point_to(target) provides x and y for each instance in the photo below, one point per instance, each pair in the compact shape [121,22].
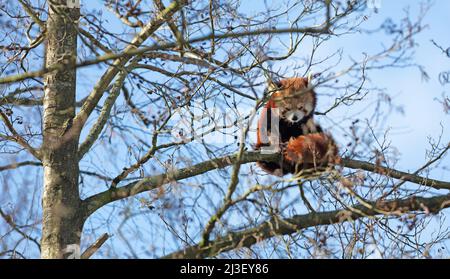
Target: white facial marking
[294,116]
[308,108]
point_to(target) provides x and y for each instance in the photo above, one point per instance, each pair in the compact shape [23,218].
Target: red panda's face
[293,99]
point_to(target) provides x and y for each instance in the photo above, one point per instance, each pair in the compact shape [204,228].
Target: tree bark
[62,220]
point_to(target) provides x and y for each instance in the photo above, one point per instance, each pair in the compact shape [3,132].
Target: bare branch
[120,61]
[32,14]
[436,184]
[279,227]
[135,51]
[113,194]
[95,246]
[20,164]
[17,138]
[9,219]
[103,117]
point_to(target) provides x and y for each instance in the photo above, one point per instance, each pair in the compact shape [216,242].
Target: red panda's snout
[294,116]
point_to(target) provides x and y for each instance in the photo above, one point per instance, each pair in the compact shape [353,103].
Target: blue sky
[422,115]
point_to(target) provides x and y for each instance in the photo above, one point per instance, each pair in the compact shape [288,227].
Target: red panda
[286,125]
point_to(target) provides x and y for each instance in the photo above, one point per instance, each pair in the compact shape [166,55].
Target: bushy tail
[314,151]
[311,151]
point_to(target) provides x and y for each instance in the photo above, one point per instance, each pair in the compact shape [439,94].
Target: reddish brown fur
[290,88]
[290,95]
[311,151]
[304,145]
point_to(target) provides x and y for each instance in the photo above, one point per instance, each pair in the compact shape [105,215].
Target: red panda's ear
[273,85]
[307,79]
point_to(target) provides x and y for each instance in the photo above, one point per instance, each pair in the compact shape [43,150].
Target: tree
[143,112]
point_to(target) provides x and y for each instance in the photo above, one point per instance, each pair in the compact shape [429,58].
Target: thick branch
[136,51]
[39,164]
[19,164]
[32,14]
[29,102]
[436,184]
[103,117]
[277,227]
[113,194]
[94,247]
[20,101]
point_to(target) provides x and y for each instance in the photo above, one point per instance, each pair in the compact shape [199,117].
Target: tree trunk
[62,220]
